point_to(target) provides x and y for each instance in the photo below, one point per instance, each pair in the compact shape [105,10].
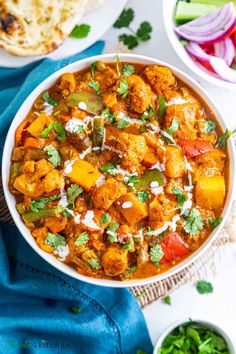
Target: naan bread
[36,27]
[93,5]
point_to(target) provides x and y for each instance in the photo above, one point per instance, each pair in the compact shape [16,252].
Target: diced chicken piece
[106,78]
[186,114]
[106,194]
[161,210]
[159,77]
[114,261]
[52,181]
[132,208]
[211,163]
[140,95]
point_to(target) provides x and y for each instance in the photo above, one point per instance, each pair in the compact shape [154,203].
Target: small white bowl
[168,7]
[214,327]
[9,144]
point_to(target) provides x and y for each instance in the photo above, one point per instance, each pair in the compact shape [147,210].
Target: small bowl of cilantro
[194,337]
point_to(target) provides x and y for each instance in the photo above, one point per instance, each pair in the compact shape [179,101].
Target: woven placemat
[201,268]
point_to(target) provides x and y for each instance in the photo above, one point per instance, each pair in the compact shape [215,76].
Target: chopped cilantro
[55,240]
[143,196]
[128,69]
[193,222]
[129,40]
[94,263]
[132,179]
[108,167]
[112,231]
[223,139]
[144,30]
[47,98]
[129,246]
[82,239]
[55,157]
[156,254]
[215,222]
[105,218]
[150,232]
[92,69]
[118,65]
[180,196]
[76,309]
[161,106]
[37,205]
[73,192]
[122,123]
[125,18]
[167,300]
[210,125]
[148,115]
[128,272]
[174,127]
[204,287]
[94,85]
[123,88]
[59,129]
[110,115]
[80,31]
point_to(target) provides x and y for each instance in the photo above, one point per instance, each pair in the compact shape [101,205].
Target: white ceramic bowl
[203,323]
[168,7]
[9,144]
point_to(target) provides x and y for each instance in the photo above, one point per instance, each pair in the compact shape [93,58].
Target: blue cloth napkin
[35,298]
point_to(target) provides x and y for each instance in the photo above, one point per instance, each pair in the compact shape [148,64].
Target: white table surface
[220,306]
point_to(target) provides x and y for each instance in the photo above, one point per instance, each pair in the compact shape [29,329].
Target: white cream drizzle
[48,108]
[127,205]
[62,252]
[169,224]
[89,220]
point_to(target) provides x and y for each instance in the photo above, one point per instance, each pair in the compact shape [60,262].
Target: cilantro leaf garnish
[129,246]
[161,106]
[148,115]
[73,192]
[144,31]
[174,127]
[122,123]
[125,18]
[129,40]
[47,98]
[143,196]
[150,232]
[55,240]
[167,300]
[76,309]
[204,287]
[37,205]
[109,167]
[128,69]
[92,69]
[59,129]
[82,239]
[110,115]
[94,263]
[55,157]
[132,179]
[223,139]
[105,218]
[215,222]
[112,231]
[94,85]
[210,125]
[156,254]
[180,196]
[123,88]
[80,31]
[193,222]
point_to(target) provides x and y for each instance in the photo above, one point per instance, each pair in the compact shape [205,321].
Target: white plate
[100,20]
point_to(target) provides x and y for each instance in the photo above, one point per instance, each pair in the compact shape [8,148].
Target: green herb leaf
[55,158]
[47,98]
[129,246]
[156,254]
[210,125]
[112,231]
[193,222]
[59,129]
[132,179]
[129,40]
[204,287]
[76,309]
[123,88]
[94,263]
[144,31]
[174,127]
[82,239]
[148,115]
[73,192]
[215,222]
[122,123]
[105,218]
[92,69]
[128,69]
[223,139]
[180,196]
[110,115]
[143,196]
[125,18]
[55,240]
[161,106]
[80,31]
[94,85]
[167,300]
[109,168]
[37,205]
[150,232]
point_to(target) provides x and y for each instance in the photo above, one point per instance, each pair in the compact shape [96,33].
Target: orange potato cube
[150,158]
[210,192]
[132,208]
[175,164]
[38,125]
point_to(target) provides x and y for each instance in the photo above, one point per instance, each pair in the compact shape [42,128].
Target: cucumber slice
[217,3]
[187,11]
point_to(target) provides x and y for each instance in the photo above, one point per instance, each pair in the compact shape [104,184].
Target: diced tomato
[173,247]
[195,147]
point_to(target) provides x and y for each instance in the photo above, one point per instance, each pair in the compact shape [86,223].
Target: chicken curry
[120,170]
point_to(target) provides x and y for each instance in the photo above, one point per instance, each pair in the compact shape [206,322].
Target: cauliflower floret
[52,181]
[114,261]
[27,187]
[159,77]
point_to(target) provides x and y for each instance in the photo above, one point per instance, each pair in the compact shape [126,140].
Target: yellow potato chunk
[175,164]
[210,192]
[84,174]
[38,125]
[132,208]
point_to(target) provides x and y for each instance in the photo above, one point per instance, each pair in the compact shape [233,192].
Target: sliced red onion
[219,65]
[209,28]
[225,49]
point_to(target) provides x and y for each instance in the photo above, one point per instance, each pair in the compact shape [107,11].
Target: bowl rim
[205,323]
[168,20]
[9,143]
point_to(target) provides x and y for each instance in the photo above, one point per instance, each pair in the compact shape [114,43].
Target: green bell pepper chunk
[147,178]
